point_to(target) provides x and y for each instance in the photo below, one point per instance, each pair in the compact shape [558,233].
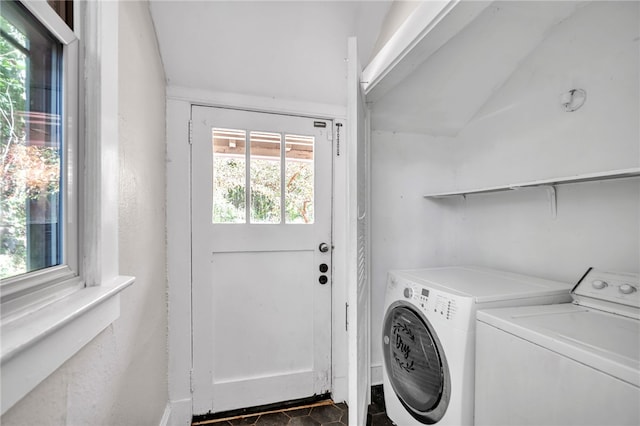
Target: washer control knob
[627,289]
[408,293]
[599,284]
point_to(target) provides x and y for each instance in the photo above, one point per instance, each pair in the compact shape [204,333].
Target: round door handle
[323,247]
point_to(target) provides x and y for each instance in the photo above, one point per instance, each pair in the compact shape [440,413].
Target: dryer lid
[485,285]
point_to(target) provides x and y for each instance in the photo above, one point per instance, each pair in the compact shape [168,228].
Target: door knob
[323,247]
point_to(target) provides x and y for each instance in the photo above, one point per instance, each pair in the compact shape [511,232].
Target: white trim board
[377,374]
[166,415]
[255,103]
[181,413]
[409,46]
[179,260]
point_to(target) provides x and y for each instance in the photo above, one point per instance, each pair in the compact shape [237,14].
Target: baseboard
[376,375]
[180,413]
[164,421]
[340,392]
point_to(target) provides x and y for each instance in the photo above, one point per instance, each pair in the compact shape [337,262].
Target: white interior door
[358,253]
[261,250]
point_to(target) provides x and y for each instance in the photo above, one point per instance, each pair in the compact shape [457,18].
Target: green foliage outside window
[299,192]
[229,191]
[30,173]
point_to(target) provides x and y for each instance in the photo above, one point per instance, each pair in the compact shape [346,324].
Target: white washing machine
[428,336]
[570,364]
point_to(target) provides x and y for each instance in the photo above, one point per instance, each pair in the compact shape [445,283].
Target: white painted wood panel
[261,318]
[358,284]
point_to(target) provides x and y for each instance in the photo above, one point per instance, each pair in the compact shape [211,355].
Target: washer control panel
[614,292]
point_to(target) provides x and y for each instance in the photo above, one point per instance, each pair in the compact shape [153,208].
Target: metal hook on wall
[573,99]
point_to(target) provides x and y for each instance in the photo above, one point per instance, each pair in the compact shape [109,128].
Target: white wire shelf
[588,177]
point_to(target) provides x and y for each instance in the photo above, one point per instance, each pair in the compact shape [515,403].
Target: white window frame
[76,301]
[29,292]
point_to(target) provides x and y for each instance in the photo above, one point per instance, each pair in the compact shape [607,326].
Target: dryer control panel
[435,305]
[614,292]
[432,302]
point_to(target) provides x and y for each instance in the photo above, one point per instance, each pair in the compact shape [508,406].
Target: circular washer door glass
[417,372]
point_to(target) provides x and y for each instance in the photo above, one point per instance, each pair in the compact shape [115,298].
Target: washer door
[415,363]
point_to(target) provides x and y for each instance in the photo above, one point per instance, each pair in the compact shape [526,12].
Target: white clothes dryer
[428,337]
[569,364]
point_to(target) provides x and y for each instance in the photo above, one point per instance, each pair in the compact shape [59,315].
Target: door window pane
[266,177]
[271,186]
[229,176]
[30,144]
[299,179]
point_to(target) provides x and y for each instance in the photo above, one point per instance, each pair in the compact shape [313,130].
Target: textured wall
[120,377]
[143,327]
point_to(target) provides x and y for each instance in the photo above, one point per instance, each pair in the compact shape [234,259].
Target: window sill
[35,345]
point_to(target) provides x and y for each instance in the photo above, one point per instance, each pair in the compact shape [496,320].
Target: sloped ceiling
[446,91]
[293,50]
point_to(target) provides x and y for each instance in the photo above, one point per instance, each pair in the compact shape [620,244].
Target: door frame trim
[179,103]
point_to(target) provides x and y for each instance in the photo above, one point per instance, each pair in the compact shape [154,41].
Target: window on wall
[31,144]
[45,296]
[262,177]
[37,201]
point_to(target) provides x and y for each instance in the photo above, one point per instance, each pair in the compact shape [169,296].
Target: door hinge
[191,380]
[346,317]
[190,131]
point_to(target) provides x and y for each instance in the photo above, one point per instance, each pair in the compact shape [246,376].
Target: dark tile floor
[377,413]
[323,413]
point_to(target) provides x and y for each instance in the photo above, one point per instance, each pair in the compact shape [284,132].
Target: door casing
[179,103]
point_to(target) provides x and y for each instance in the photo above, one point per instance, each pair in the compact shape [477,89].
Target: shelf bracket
[553,200]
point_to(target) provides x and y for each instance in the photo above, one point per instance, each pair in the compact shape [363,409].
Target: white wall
[522,134]
[406,230]
[597,225]
[291,50]
[120,377]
